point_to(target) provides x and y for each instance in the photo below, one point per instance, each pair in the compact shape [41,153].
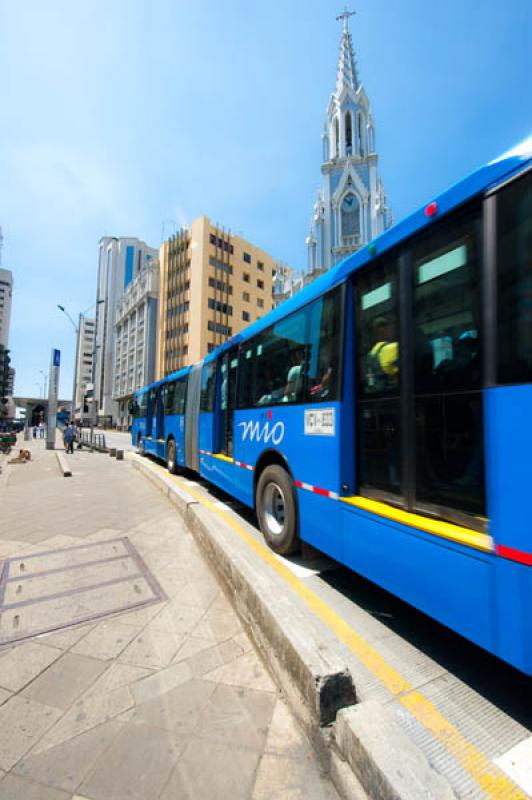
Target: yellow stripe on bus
[492,780]
[445,530]
[222,457]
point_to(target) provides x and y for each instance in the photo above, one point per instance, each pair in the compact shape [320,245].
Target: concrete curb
[365,750]
[63,466]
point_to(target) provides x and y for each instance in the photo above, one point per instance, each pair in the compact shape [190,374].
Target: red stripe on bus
[323,492]
[514,555]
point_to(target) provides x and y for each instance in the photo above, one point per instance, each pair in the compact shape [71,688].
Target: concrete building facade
[6,294]
[120,260]
[83,367]
[351,207]
[213,284]
[136,339]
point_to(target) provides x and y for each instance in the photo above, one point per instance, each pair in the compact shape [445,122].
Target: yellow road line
[492,780]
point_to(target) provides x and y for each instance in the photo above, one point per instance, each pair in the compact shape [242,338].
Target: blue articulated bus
[383,414]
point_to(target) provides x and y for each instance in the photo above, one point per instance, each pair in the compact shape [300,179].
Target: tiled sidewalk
[167,701]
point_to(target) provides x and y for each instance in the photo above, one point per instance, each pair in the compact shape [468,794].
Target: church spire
[347,69]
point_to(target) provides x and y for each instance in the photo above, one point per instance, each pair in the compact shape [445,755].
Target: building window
[246,277]
[247,258]
[260,266]
[260,284]
[348,134]
[361,148]
[245,296]
[245,316]
[218,306]
[217,327]
[214,262]
[350,214]
[260,302]
[210,347]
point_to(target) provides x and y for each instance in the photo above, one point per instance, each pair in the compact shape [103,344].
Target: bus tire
[171,462]
[276,510]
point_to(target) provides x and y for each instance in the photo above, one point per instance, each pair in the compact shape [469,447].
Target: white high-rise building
[6,292]
[136,340]
[120,260]
[84,363]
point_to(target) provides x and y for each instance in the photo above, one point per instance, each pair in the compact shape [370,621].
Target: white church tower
[351,208]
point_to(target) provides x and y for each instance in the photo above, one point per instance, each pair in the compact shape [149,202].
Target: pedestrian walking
[42,427]
[69,437]
[35,431]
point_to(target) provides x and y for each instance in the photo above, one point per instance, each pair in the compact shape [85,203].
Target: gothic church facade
[351,207]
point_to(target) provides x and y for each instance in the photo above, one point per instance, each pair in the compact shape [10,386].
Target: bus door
[150,413]
[228,374]
[158,414]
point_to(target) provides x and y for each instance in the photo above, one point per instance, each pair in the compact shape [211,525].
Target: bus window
[228,376]
[324,349]
[378,381]
[208,385]
[272,364]
[174,396]
[447,367]
[142,405]
[514,282]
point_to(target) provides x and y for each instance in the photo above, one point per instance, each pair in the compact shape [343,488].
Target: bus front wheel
[276,510]
[171,458]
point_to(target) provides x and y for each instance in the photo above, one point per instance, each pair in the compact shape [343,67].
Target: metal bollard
[112,452]
[119,455]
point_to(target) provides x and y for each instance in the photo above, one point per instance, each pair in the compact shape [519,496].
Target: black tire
[277,510]
[140,446]
[171,462]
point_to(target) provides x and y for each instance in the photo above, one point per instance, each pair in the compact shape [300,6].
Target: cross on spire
[345,16]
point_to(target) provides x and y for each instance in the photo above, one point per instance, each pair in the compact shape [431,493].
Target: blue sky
[117,118]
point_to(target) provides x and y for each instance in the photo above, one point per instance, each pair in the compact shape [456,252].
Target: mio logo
[255,432]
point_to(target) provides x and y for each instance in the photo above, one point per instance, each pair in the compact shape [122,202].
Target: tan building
[213,285]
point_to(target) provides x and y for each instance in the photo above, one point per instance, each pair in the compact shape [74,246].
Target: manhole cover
[43,592]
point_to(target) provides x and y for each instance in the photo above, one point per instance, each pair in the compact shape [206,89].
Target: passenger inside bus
[383,358]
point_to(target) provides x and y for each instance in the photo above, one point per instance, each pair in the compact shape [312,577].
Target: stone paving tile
[285,736]
[106,641]
[191,646]
[116,677]
[4,695]
[179,709]
[68,764]
[136,766]
[152,648]
[141,616]
[244,712]
[160,682]
[21,664]
[291,779]
[218,625]
[13,787]
[216,656]
[22,723]
[65,680]
[66,637]
[230,773]
[246,670]
[85,714]
[177,618]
